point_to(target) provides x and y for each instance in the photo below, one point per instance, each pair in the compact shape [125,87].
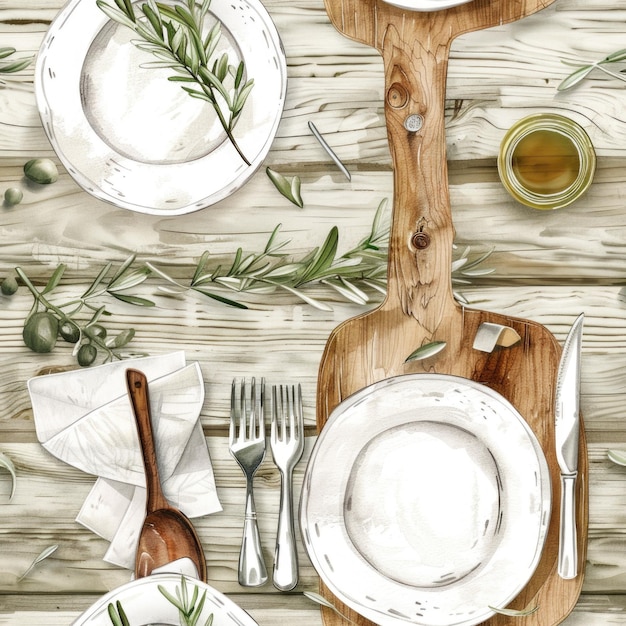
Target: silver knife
[567,432]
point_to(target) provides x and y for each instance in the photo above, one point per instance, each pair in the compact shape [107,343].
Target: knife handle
[568,549]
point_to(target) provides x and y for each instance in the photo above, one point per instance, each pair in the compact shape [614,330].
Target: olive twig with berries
[47,320]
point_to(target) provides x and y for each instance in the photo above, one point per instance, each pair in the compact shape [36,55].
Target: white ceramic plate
[144,604]
[129,136]
[426,5]
[426,501]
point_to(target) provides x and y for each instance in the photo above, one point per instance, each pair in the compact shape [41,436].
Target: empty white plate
[426,500]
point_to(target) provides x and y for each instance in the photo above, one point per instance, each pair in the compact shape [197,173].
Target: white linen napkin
[84,418]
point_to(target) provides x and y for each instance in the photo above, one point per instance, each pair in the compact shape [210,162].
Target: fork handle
[286,555]
[252,570]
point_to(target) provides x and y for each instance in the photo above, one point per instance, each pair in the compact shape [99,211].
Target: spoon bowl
[167,534]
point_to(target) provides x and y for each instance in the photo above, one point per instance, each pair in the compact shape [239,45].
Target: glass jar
[546,161]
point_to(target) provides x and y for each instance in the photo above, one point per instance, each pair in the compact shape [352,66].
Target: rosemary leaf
[117,615]
[135,300]
[218,298]
[323,257]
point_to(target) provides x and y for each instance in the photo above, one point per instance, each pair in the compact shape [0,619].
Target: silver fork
[287,442]
[247,445]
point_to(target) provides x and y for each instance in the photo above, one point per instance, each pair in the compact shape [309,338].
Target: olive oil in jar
[546,161]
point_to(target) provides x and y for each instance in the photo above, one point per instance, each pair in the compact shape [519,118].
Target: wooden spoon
[420,307]
[167,534]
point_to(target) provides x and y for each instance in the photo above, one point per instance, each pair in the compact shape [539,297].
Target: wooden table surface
[548,267]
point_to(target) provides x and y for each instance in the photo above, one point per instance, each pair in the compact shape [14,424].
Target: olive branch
[175,36]
[582,71]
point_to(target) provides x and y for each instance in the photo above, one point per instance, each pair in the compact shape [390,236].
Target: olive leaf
[11,66]
[38,559]
[288,187]
[7,463]
[426,351]
[617,456]
[515,613]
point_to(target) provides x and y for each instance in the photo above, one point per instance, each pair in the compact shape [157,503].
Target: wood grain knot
[397,96]
[420,240]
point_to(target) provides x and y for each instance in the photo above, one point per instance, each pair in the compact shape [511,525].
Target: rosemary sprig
[175,36]
[11,66]
[189,608]
[353,275]
[271,270]
[581,72]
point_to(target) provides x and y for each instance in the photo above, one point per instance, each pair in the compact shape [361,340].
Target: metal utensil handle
[252,570]
[286,557]
[568,552]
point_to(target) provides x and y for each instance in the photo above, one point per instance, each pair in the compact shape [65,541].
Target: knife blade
[567,433]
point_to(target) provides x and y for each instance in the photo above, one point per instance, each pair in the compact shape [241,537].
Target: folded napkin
[84,418]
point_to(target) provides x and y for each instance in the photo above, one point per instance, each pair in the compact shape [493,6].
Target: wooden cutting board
[419,307]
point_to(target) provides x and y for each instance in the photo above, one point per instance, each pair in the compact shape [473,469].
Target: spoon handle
[138,392]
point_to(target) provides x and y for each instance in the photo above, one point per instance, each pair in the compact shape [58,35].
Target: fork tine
[261,433]
[299,412]
[233,413]
[288,417]
[274,414]
[251,434]
[243,410]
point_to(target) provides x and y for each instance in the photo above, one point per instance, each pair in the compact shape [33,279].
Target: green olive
[87,354]
[8,286]
[13,196]
[69,331]
[40,332]
[42,171]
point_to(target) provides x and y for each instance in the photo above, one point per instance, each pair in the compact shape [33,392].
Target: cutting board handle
[420,252]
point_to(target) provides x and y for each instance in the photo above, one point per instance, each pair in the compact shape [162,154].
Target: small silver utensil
[329,151]
[567,432]
[247,446]
[287,442]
